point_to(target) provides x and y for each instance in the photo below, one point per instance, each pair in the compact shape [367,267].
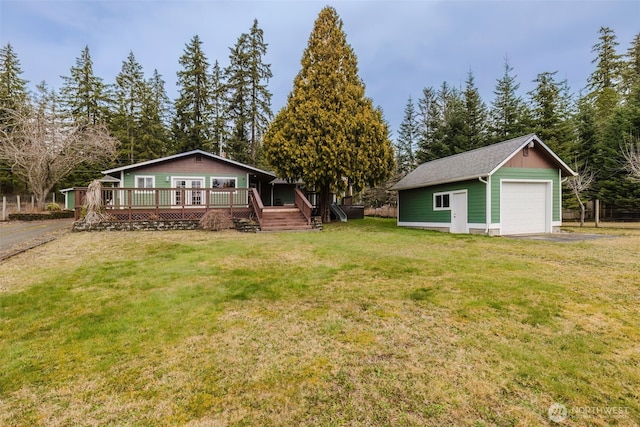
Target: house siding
[524,174]
[416,205]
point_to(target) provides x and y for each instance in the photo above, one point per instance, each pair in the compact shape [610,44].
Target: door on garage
[459,212]
[525,207]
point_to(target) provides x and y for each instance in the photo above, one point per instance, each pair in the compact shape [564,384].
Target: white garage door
[525,208]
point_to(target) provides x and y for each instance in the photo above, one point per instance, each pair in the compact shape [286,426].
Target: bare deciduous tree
[44,146]
[631,153]
[579,184]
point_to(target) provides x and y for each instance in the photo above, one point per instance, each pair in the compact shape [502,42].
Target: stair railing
[256,204]
[303,204]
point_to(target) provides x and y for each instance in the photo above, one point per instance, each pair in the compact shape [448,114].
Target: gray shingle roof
[480,162]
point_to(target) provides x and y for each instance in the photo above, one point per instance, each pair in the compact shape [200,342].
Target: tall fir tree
[407,140]
[237,76]
[125,124]
[551,114]
[329,134]
[452,108]
[14,99]
[430,145]
[631,70]
[260,100]
[474,115]
[155,111]
[219,108]
[508,112]
[192,120]
[83,94]
[85,98]
[249,98]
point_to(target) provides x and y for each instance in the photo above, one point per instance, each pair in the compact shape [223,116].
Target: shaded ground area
[562,237]
[16,237]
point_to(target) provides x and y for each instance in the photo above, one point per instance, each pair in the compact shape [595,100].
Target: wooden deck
[174,204]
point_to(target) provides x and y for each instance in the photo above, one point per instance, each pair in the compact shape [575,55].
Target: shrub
[52,207]
[216,221]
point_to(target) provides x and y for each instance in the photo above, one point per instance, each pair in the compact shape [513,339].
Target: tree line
[592,130]
[227,110]
[219,110]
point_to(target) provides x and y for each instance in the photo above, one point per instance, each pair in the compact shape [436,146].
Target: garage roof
[473,164]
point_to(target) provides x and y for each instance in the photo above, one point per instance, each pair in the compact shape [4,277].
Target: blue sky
[402,46]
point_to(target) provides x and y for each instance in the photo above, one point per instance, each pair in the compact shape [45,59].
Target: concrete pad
[562,237]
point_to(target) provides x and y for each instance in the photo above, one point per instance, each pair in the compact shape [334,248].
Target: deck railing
[174,203]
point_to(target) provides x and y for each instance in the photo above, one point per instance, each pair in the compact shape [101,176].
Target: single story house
[192,169]
[512,187]
[186,186]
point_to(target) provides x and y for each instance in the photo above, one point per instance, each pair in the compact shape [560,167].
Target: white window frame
[145,177]
[224,178]
[441,195]
[189,190]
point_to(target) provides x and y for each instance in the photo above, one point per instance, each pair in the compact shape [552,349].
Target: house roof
[473,164]
[257,171]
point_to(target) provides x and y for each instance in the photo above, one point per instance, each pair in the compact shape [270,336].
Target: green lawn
[361,324]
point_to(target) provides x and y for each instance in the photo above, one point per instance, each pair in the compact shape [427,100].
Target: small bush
[216,221]
[53,207]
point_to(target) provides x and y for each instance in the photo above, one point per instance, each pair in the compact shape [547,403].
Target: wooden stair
[284,218]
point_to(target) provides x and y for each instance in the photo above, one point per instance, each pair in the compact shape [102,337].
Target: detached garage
[512,187]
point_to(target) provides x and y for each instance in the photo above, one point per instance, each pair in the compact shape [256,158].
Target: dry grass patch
[362,324]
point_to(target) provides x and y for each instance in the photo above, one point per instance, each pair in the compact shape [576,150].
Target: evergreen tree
[129,96]
[249,98]
[260,101]
[452,109]
[219,105]
[192,121]
[13,99]
[329,134]
[154,131]
[474,115]
[631,70]
[407,141]
[430,145]
[508,111]
[603,83]
[13,88]
[551,114]
[238,86]
[602,151]
[83,94]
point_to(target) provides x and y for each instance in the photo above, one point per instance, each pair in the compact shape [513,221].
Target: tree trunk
[325,201]
[582,214]
[41,199]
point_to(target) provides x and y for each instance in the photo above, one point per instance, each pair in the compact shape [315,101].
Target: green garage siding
[416,205]
[524,174]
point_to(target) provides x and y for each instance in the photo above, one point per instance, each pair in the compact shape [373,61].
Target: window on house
[223,182]
[145,182]
[441,201]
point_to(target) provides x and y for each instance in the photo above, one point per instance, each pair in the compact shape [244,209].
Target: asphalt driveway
[18,236]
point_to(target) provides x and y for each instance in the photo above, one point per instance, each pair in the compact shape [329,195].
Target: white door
[459,212]
[525,208]
[191,196]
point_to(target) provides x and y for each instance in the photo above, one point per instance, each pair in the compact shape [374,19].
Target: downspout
[487,203]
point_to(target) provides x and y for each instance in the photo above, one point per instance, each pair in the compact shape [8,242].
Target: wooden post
[19,203]
[32,202]
[4,208]
[597,212]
